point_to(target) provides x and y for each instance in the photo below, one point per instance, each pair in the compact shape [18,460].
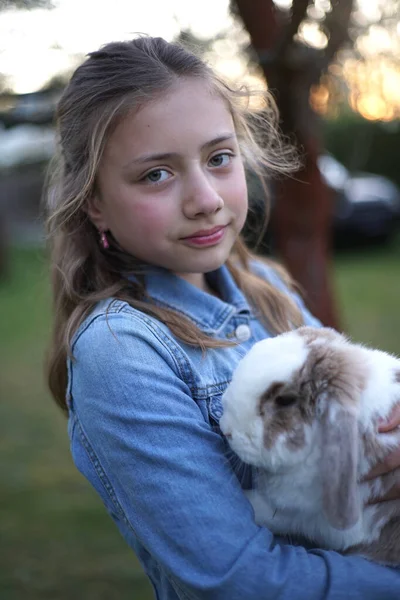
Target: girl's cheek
[150,217]
[239,202]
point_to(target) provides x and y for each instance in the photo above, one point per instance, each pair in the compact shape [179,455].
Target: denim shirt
[144,410]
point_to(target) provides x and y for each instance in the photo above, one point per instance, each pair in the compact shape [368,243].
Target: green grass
[57,542]
[368,294]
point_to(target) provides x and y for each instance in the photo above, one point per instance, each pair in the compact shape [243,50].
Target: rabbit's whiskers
[240,469]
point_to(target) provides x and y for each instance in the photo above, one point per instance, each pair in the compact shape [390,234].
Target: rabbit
[303,408]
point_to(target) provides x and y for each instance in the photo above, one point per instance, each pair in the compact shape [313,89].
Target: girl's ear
[95,212]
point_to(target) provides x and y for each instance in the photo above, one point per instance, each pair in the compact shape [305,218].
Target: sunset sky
[36,44]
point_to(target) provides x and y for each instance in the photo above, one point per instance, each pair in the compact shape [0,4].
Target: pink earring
[104,240]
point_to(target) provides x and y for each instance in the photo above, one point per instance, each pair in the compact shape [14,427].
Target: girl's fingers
[391,483]
[392,460]
[392,422]
[393,494]
[389,463]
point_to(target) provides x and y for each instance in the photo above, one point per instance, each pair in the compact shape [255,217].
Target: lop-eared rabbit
[304,409]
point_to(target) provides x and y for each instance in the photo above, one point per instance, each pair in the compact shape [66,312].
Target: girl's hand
[392,460]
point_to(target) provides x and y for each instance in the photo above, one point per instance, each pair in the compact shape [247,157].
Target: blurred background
[334,69]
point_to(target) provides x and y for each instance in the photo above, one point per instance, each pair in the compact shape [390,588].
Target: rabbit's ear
[339,466]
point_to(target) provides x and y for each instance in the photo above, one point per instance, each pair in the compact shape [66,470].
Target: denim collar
[207,311]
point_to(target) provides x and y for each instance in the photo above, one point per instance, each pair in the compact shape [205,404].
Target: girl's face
[171,183]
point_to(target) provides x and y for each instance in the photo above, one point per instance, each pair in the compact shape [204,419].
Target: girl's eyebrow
[168,155]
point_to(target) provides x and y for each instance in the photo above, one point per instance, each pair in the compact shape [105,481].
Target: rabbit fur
[303,408]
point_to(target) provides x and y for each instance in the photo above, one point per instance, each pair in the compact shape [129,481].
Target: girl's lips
[206,238]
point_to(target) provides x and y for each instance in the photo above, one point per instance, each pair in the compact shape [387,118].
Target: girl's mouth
[206,237]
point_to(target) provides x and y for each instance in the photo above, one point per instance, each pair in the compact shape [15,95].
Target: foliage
[346,52]
[363,145]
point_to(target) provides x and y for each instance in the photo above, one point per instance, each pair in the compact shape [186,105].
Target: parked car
[366,207]
[24,154]
[35,108]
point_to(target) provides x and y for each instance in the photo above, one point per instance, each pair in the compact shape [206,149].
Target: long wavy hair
[112,82]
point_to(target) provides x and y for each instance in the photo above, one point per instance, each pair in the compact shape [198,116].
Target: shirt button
[243,333]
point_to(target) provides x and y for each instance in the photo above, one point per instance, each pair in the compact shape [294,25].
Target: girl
[156,300]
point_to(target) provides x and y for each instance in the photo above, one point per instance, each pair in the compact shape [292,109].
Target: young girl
[156,300]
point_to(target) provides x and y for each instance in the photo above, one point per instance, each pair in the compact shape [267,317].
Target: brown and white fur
[303,408]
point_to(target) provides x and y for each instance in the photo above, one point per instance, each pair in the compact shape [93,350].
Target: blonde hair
[111,82]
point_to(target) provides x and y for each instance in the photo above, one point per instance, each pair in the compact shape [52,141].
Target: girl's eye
[157,176]
[221,160]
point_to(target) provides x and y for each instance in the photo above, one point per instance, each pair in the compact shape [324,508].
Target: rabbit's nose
[228,435]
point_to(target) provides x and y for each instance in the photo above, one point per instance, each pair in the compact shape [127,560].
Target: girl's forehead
[187,112]
[186,96]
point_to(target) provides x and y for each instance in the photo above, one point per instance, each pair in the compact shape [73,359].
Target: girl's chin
[209,263]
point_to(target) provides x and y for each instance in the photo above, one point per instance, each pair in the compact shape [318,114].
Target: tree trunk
[302,216]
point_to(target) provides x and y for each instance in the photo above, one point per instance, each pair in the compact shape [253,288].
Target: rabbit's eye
[285,400]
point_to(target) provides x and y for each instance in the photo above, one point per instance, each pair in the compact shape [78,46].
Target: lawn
[56,540]
[368,293]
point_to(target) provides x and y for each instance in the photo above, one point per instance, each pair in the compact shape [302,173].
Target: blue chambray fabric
[144,409]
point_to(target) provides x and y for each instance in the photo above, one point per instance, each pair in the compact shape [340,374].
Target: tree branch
[298,12]
[337,26]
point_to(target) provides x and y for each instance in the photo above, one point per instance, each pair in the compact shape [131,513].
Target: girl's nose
[200,197]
